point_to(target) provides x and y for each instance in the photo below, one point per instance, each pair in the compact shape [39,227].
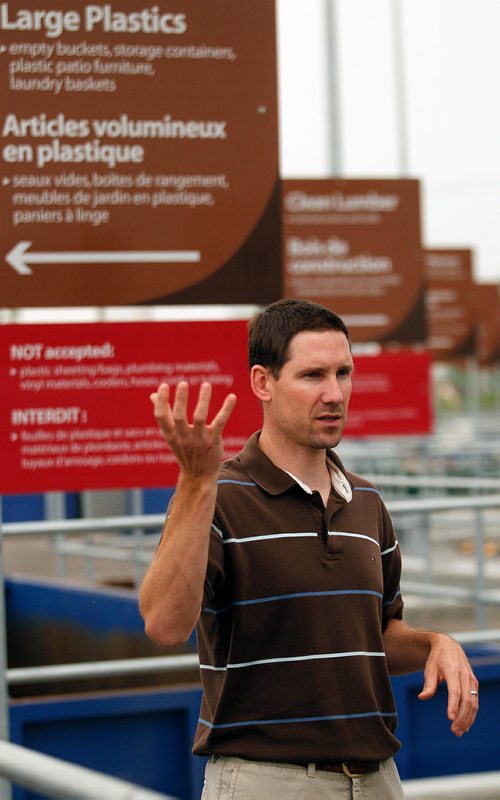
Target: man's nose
[332,392]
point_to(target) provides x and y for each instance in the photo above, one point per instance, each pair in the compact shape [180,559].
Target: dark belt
[350,768]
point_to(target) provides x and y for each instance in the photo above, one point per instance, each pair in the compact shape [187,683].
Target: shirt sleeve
[392,603]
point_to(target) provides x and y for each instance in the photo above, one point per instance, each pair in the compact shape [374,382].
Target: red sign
[76,412]
[139,153]
[391,395]
[354,246]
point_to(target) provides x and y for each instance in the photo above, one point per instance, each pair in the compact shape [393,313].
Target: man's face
[308,401]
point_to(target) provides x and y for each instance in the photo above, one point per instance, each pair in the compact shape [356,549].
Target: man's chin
[327,442]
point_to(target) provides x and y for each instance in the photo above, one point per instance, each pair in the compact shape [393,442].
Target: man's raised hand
[197,445]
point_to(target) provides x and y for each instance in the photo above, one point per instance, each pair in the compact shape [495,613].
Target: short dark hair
[270,331]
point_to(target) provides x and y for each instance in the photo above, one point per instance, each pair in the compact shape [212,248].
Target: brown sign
[354,246]
[487,309]
[450,309]
[139,155]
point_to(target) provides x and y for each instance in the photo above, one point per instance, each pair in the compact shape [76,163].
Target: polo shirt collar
[275,480]
[262,470]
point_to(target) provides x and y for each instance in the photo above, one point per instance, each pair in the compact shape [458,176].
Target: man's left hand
[448,662]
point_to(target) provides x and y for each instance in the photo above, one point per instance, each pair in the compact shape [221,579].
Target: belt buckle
[346,771]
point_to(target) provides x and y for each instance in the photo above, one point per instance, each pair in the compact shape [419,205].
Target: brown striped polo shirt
[290,636]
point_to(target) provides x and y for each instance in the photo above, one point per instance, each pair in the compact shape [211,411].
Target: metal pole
[480,786]
[102,669]
[481,614]
[136,508]
[54,508]
[400,86]
[57,778]
[333,89]
[54,505]
[5,789]
[473,397]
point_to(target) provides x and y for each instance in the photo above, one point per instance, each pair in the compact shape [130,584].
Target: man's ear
[259,381]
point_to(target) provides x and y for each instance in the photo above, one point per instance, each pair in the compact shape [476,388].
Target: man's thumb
[428,689]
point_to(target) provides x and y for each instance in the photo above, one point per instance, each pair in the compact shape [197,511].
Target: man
[288,566]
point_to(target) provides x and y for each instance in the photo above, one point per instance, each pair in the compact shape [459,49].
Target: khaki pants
[228,778]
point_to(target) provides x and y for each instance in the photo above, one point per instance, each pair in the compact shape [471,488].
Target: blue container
[143,736]
[138,728]
[31,507]
[428,747]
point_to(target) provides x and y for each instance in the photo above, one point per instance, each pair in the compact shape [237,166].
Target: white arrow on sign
[19,259]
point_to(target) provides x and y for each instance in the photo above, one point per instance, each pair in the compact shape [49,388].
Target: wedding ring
[473,692]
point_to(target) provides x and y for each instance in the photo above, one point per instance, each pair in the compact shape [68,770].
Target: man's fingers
[454,698]
[200,414]
[468,707]
[162,410]
[161,395]
[173,417]
[430,684]
[222,416]
[462,710]
[448,662]
[201,411]
[179,408]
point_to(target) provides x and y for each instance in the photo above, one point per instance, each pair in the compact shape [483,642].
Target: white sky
[451,73]
[448,123]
